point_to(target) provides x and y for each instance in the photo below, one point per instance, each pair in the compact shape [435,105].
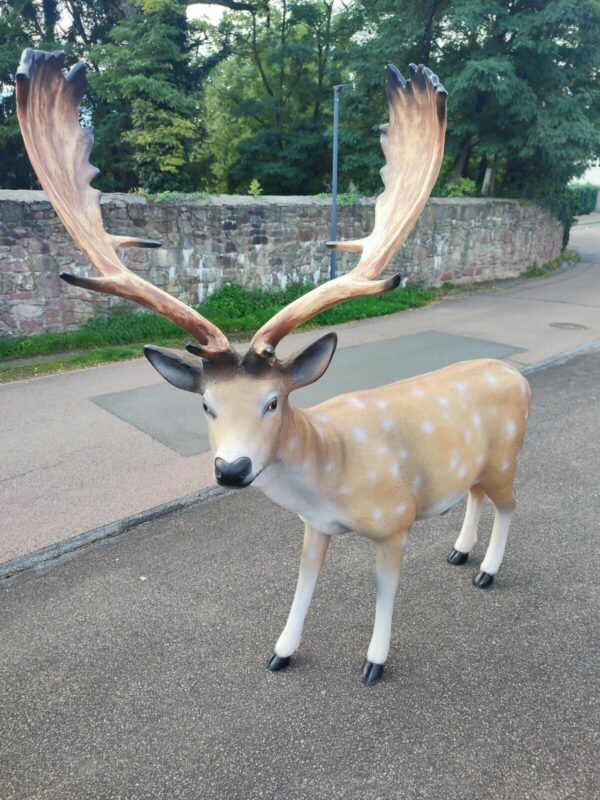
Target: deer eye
[271,406]
[208,410]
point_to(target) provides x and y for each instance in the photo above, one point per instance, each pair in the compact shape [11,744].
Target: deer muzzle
[233,473]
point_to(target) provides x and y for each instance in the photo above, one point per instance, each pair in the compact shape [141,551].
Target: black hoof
[483,580]
[277,662]
[456,557]
[371,673]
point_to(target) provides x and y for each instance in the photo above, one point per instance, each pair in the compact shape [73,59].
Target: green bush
[584,196]
[463,187]
[168,196]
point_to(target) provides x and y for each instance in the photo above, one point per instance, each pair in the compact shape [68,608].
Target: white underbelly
[440,507]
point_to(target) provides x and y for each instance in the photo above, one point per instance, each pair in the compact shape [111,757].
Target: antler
[59,148]
[413,145]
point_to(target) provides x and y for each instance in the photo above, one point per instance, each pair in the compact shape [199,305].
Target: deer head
[245,398]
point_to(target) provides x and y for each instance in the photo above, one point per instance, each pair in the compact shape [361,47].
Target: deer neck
[310,451]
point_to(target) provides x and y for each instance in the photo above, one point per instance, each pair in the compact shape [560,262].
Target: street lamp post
[334,175]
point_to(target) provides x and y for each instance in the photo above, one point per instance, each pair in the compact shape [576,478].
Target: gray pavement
[135,669]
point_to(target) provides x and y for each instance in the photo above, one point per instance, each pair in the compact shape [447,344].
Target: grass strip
[232,308]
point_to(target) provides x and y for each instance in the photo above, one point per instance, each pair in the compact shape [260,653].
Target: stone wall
[265,241]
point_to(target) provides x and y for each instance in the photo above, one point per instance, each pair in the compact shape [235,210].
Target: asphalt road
[584,239]
[116,687]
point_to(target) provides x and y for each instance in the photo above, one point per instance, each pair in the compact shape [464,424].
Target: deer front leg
[389,555]
[314,551]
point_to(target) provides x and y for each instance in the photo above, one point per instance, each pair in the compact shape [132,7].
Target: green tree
[523,89]
[20,25]
[71,26]
[274,89]
[145,79]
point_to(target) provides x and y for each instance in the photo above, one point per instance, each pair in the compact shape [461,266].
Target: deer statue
[371,462]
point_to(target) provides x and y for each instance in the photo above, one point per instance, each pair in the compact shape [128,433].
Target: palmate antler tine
[58,147]
[413,145]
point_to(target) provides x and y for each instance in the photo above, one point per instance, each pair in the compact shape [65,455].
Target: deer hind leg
[467,537]
[314,551]
[389,555]
[504,504]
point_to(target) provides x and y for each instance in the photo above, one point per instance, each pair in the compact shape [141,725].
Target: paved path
[85,448]
[117,688]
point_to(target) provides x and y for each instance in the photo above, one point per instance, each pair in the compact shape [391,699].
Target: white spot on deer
[476,419]
[387,424]
[491,379]
[330,466]
[417,483]
[322,417]
[383,449]
[480,459]
[460,387]
[468,436]
[377,514]
[382,404]
[443,400]
[418,392]
[343,490]
[359,434]
[505,465]
[511,429]
[453,463]
[394,469]
[427,427]
[404,454]
[462,471]
[399,510]
[356,402]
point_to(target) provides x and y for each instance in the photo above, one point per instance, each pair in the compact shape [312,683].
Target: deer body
[371,462]
[374,461]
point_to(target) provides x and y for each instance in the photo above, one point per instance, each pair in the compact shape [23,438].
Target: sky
[212,13]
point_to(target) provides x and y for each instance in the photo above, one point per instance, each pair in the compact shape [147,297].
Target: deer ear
[177,367]
[309,364]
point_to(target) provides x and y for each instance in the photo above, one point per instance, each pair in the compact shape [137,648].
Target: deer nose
[232,473]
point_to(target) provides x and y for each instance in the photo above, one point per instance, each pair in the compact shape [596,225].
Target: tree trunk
[493,176]
[461,162]
[428,33]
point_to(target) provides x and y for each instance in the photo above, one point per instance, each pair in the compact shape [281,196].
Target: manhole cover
[568,326]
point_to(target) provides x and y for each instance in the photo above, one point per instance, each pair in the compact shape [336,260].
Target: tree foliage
[192,106]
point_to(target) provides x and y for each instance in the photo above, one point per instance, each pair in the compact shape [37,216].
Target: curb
[44,555]
[560,358]
[54,551]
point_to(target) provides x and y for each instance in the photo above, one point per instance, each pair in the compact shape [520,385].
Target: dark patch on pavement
[129,689]
[175,418]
